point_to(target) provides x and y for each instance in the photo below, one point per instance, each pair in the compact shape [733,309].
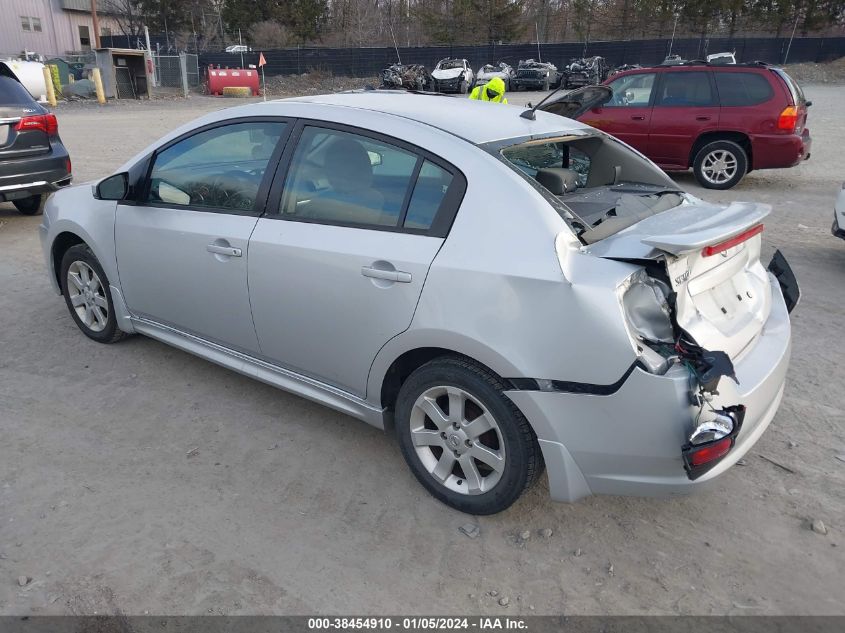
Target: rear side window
[348,179]
[685,89]
[13,93]
[742,89]
[343,178]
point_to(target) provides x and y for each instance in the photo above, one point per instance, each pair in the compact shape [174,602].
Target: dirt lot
[289,507]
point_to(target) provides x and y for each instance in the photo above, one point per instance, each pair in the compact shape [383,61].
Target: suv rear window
[743,88]
[13,93]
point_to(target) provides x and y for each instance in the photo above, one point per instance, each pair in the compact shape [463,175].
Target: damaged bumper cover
[631,439]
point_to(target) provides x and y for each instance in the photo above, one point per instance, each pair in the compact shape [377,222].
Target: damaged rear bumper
[629,441]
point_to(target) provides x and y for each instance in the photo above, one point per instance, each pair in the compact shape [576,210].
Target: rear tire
[463,439]
[30,206]
[720,165]
[86,291]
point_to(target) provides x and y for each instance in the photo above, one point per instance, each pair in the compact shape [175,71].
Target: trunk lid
[574,103]
[711,256]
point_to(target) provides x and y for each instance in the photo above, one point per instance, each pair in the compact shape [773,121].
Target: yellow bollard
[98,86]
[57,80]
[48,81]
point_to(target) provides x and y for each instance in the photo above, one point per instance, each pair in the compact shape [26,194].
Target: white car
[502,289]
[501,70]
[452,75]
[238,48]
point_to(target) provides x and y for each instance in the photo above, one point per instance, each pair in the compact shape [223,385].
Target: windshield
[447,64]
[596,183]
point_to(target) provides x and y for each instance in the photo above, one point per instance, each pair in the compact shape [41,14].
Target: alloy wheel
[457,440]
[719,166]
[87,296]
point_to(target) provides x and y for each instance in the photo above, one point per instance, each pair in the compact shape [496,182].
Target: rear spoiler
[720,228]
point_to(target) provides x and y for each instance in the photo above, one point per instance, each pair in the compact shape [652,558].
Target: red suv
[723,121]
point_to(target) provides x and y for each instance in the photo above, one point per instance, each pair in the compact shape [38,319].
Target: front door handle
[224,250]
[637,117]
[702,118]
[387,275]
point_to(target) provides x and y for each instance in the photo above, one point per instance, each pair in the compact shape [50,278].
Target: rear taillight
[788,119]
[709,453]
[739,239]
[47,123]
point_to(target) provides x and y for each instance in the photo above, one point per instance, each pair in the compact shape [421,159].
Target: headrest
[348,166]
[558,180]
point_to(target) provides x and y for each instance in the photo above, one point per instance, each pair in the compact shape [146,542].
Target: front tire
[463,439]
[86,291]
[33,205]
[720,165]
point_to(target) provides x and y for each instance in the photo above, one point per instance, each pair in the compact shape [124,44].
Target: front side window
[220,168]
[344,178]
[632,90]
[685,89]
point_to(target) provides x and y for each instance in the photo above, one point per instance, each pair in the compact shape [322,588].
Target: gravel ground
[288,507]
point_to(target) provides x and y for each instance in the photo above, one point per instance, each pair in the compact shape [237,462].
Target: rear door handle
[388,275]
[637,117]
[702,118]
[224,250]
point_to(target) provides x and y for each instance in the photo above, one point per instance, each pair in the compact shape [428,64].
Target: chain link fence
[177,71]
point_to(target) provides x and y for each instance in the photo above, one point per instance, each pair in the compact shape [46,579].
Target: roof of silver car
[475,121]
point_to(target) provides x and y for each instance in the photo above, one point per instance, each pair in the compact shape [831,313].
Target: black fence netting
[367,62]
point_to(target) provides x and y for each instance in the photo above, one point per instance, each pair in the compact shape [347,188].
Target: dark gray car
[33,160]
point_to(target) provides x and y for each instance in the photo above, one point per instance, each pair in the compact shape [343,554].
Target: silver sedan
[506,290]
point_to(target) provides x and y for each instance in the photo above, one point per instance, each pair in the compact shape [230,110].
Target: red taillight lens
[47,123]
[711,452]
[739,239]
[788,119]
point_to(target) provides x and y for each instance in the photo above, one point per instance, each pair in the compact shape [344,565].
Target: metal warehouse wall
[367,62]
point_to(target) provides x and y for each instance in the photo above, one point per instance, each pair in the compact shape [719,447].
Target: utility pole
[96,24]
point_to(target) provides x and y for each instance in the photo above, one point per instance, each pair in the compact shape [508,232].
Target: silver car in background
[504,290]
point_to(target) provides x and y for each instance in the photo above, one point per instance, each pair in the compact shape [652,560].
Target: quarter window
[631,90]
[343,178]
[221,168]
[428,196]
[742,88]
[686,89]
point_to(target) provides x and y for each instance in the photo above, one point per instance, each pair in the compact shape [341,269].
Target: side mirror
[375,158]
[808,103]
[113,188]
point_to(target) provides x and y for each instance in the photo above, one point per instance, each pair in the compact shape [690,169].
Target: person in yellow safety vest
[494,91]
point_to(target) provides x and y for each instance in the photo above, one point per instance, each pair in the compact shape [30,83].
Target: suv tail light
[47,123]
[788,119]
